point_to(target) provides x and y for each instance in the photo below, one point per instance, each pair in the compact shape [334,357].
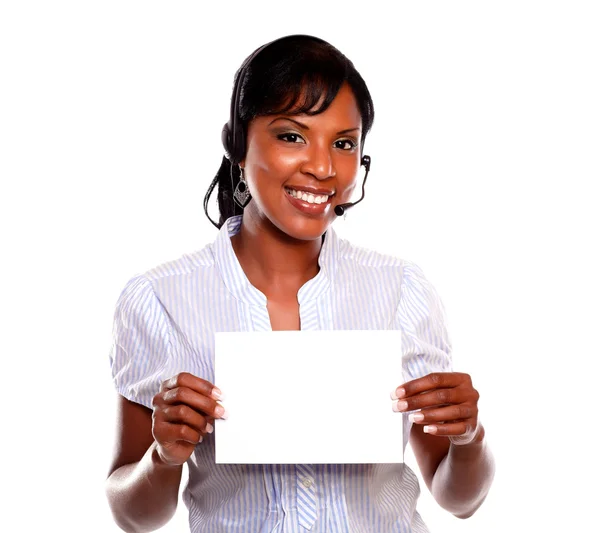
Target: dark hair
[289,75]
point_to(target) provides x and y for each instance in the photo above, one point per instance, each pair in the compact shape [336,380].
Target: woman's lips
[308,207]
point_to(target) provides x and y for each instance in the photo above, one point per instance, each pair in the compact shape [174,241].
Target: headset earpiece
[226,140]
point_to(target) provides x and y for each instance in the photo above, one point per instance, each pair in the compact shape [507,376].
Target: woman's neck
[274,263]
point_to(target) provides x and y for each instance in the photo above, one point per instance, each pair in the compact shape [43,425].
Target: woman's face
[299,167]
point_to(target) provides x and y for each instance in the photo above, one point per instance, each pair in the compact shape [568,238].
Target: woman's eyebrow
[305,127]
[348,130]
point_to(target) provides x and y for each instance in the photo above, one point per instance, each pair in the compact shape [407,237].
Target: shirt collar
[240,287]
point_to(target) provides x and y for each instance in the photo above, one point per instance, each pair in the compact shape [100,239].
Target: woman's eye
[290,137]
[345,144]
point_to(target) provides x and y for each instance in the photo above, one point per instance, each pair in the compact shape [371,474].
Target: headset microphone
[341,209]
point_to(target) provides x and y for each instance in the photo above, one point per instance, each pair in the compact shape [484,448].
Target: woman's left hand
[445,404]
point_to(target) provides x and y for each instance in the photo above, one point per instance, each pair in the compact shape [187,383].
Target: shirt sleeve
[141,347]
[426,347]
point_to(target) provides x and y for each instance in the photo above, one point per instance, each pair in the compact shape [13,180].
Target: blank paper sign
[309,397]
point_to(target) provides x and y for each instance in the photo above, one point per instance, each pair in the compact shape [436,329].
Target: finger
[168,433]
[435,380]
[183,414]
[446,414]
[199,402]
[434,398]
[454,429]
[185,379]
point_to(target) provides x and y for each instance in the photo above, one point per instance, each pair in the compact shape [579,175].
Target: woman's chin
[303,228]
[295,225]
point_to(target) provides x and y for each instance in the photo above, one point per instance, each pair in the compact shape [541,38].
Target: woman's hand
[445,404]
[183,412]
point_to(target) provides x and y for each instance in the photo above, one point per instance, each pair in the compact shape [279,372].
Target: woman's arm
[448,440]
[142,490]
[152,445]
[458,476]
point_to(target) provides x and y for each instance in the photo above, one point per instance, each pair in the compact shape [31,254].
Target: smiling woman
[299,117]
[279,93]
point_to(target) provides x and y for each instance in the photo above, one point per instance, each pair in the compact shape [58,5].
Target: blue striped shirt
[165,323]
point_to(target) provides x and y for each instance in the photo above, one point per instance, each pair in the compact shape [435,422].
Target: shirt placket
[306,495]
[306,498]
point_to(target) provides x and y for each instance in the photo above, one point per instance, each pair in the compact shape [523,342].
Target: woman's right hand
[183,412]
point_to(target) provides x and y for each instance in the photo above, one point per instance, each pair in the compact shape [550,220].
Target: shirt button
[307,482]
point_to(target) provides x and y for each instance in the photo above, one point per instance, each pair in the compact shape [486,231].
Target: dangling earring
[241,195]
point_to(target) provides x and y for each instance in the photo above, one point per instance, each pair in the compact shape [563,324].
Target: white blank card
[309,397]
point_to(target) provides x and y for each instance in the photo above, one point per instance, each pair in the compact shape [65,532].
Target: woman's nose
[319,162]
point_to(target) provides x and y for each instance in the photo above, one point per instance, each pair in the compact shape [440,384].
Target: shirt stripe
[165,322]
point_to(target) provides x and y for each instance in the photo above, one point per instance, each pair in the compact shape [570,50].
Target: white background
[485,172]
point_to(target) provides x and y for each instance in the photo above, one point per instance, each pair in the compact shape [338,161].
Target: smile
[307,197]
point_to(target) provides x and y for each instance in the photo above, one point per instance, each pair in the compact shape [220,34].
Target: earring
[241,195]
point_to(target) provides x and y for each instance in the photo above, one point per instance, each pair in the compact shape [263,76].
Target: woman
[299,117]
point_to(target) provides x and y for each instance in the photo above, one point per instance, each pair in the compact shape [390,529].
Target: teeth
[308,197]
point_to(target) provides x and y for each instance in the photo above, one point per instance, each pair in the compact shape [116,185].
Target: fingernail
[221,412]
[216,394]
[209,428]
[398,393]
[400,406]
[430,429]
[416,417]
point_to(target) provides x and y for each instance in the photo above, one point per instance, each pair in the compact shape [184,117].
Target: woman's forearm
[143,495]
[463,478]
